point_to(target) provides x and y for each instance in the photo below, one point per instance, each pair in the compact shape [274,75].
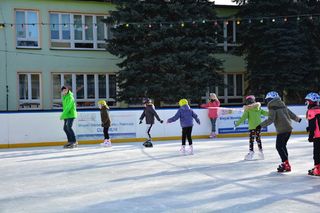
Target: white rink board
[28,127]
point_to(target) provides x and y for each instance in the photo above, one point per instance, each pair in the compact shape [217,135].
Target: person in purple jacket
[186,116]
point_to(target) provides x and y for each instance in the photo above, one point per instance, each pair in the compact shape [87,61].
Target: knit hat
[183,102]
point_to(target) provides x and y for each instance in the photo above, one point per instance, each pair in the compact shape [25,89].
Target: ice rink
[129,178]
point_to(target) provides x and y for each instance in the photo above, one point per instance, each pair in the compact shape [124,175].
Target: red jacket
[212,112]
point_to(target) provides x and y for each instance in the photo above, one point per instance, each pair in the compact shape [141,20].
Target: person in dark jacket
[186,116]
[281,116]
[149,113]
[105,122]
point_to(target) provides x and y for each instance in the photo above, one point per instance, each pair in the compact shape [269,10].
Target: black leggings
[316,151]
[253,133]
[281,145]
[186,133]
[106,132]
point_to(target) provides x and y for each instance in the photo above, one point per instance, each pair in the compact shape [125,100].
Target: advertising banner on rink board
[227,117]
[89,127]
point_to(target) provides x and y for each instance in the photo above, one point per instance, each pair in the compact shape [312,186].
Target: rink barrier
[43,128]
[128,140]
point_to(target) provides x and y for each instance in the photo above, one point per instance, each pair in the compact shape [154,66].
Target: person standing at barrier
[281,116]
[252,112]
[105,122]
[69,113]
[149,113]
[186,116]
[212,106]
[313,115]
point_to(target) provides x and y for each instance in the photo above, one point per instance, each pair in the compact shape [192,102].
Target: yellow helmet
[102,103]
[183,102]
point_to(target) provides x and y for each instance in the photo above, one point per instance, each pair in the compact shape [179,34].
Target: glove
[299,120]
[308,129]
[101,125]
[310,139]
[140,122]
[161,121]
[258,128]
[198,122]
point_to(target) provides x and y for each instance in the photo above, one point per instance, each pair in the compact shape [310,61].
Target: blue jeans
[213,124]
[67,127]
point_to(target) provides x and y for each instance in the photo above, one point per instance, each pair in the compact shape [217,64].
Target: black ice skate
[148,144]
[71,145]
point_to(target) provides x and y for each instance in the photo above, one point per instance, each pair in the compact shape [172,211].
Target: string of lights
[183,23]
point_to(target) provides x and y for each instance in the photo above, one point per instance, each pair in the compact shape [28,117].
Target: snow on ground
[129,178]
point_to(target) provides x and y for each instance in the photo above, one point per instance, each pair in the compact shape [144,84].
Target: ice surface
[129,178]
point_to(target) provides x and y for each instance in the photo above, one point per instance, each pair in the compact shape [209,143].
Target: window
[228,38]
[29,91]
[27,29]
[233,93]
[87,88]
[77,31]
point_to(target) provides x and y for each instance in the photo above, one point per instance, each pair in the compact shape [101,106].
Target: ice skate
[148,144]
[190,150]
[284,167]
[106,143]
[249,156]
[260,154]
[315,171]
[71,145]
[212,135]
[183,149]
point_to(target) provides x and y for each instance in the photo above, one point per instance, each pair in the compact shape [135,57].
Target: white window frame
[26,25]
[29,100]
[85,87]
[225,43]
[227,97]
[72,40]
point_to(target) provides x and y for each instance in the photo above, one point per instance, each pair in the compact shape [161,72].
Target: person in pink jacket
[212,106]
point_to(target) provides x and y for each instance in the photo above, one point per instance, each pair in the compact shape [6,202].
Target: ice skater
[281,116]
[69,113]
[252,112]
[186,116]
[212,106]
[149,113]
[313,116]
[105,122]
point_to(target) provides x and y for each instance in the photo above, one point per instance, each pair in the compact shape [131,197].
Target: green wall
[44,60]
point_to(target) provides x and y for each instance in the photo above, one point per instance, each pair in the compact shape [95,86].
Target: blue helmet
[272,95]
[312,96]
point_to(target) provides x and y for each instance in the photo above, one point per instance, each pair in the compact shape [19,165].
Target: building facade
[47,44]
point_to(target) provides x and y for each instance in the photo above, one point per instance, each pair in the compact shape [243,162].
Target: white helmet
[312,96]
[272,95]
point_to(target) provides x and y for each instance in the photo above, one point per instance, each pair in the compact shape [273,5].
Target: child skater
[281,116]
[313,116]
[212,106]
[186,116]
[149,112]
[105,122]
[252,112]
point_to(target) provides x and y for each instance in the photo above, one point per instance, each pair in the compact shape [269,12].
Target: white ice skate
[183,150]
[190,150]
[249,156]
[261,155]
[106,143]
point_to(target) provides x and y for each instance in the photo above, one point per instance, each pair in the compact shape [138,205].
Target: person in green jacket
[69,113]
[252,112]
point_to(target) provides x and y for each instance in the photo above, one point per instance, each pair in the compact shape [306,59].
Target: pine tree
[166,49]
[280,52]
